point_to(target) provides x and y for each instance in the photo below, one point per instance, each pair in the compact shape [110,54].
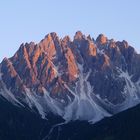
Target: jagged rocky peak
[79,35]
[49,45]
[125,43]
[101,39]
[66,41]
[112,44]
[90,38]
[9,69]
[51,36]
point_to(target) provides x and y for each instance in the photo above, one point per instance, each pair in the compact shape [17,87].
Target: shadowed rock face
[57,66]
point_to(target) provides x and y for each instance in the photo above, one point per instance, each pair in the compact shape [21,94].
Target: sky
[30,20]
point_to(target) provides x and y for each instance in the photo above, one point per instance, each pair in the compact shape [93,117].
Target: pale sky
[30,20]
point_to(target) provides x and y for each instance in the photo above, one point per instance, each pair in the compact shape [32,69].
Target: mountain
[68,77]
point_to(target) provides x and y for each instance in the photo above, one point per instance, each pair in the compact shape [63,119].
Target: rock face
[67,76]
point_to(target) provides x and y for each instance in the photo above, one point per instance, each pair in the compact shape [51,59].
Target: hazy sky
[30,20]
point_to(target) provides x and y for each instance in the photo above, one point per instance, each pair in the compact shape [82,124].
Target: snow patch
[83,101]
[8,95]
[35,102]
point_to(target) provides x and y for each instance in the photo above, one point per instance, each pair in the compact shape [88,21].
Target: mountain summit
[79,79]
